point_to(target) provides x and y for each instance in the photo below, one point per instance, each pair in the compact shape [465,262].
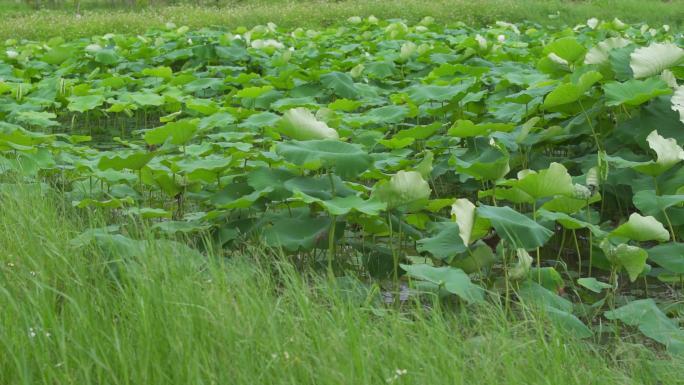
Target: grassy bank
[168,316]
[23,23]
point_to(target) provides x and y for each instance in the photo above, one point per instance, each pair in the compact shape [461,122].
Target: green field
[363,193]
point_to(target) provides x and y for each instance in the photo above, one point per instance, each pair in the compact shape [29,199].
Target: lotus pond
[515,164]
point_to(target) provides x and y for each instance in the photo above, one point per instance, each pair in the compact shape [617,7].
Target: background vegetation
[98,17]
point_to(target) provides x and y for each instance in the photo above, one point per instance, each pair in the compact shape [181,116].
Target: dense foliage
[532,165]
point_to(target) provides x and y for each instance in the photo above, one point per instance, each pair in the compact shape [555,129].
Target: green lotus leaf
[348,160]
[512,194]
[489,162]
[514,227]
[571,92]
[206,169]
[652,322]
[425,166]
[569,222]
[258,121]
[649,203]
[146,99]
[567,48]
[178,133]
[386,115]
[238,196]
[34,118]
[593,284]
[477,257]
[275,178]
[133,160]
[107,56]
[652,60]
[159,72]
[301,124]
[569,322]
[346,105]
[182,227]
[454,280]
[203,106]
[535,294]
[668,255]
[445,245]
[85,103]
[426,92]
[634,92]
[397,143]
[253,92]
[298,233]
[548,277]
[113,203]
[344,205]
[419,132]
[149,212]
[341,83]
[58,55]
[468,129]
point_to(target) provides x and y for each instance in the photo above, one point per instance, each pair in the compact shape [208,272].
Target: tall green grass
[173,316]
[66,23]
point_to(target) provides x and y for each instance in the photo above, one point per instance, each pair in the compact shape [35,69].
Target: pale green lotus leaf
[464,213]
[631,258]
[668,153]
[546,183]
[301,124]
[405,189]
[639,228]
[593,23]
[678,102]
[522,266]
[669,78]
[600,53]
[652,60]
